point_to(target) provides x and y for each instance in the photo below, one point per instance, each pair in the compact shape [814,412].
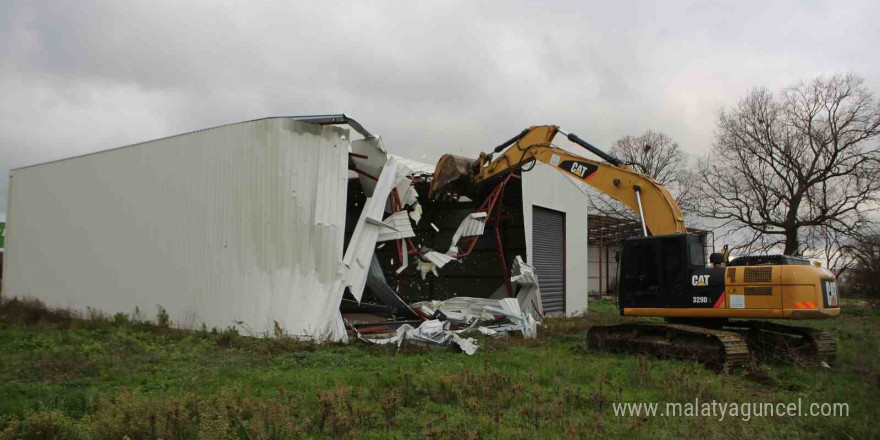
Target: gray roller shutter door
[548,257]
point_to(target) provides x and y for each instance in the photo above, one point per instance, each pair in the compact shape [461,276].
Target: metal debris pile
[448,321]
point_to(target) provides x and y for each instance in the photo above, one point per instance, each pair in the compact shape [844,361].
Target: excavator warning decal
[583,170]
[720,303]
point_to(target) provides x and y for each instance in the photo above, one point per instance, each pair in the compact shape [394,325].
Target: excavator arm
[646,197]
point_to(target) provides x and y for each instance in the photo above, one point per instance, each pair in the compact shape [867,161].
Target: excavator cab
[667,271]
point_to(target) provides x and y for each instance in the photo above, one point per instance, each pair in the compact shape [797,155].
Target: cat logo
[578,169]
[700,280]
[583,170]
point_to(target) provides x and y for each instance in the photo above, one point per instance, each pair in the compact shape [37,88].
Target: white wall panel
[546,187]
[239,223]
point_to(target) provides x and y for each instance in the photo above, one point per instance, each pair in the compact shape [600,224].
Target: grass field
[111,378]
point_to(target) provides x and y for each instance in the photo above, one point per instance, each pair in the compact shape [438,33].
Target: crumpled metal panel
[437,258]
[473,224]
[402,227]
[369,156]
[236,225]
[362,243]
[417,167]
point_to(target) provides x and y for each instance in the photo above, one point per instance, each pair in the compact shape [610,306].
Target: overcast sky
[77,77]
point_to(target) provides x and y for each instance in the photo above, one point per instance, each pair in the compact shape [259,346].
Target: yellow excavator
[664,272]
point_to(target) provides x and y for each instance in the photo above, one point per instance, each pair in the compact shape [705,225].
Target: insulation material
[416,213]
[474,224]
[399,227]
[426,267]
[242,223]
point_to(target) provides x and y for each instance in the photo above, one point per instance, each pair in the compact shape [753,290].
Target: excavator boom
[657,208]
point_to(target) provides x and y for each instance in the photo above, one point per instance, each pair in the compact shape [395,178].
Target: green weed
[67,376]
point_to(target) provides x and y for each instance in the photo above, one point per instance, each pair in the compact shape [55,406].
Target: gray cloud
[430,77]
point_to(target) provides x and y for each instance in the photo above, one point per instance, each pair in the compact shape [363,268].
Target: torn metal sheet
[433,331]
[498,314]
[461,308]
[362,244]
[469,345]
[397,339]
[509,307]
[529,293]
[369,156]
[336,119]
[473,224]
[437,258]
[405,190]
[399,227]
[404,256]
[487,331]
[379,286]
[418,167]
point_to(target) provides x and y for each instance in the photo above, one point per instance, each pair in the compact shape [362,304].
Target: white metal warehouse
[243,224]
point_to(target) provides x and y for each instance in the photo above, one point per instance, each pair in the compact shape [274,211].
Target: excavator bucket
[452,177]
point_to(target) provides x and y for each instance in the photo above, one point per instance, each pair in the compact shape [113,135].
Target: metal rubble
[455,317]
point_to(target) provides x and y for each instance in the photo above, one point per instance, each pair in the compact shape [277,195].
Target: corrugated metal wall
[239,223]
[548,246]
[603,270]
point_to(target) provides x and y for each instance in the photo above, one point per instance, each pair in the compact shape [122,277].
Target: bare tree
[783,166]
[862,277]
[653,154]
[835,248]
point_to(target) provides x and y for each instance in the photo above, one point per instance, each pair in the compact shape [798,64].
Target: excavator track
[803,346]
[720,350]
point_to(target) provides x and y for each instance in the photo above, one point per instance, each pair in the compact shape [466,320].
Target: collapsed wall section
[237,225]
[479,274]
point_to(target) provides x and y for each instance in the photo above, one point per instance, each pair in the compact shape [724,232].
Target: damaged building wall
[546,188]
[236,225]
[477,275]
